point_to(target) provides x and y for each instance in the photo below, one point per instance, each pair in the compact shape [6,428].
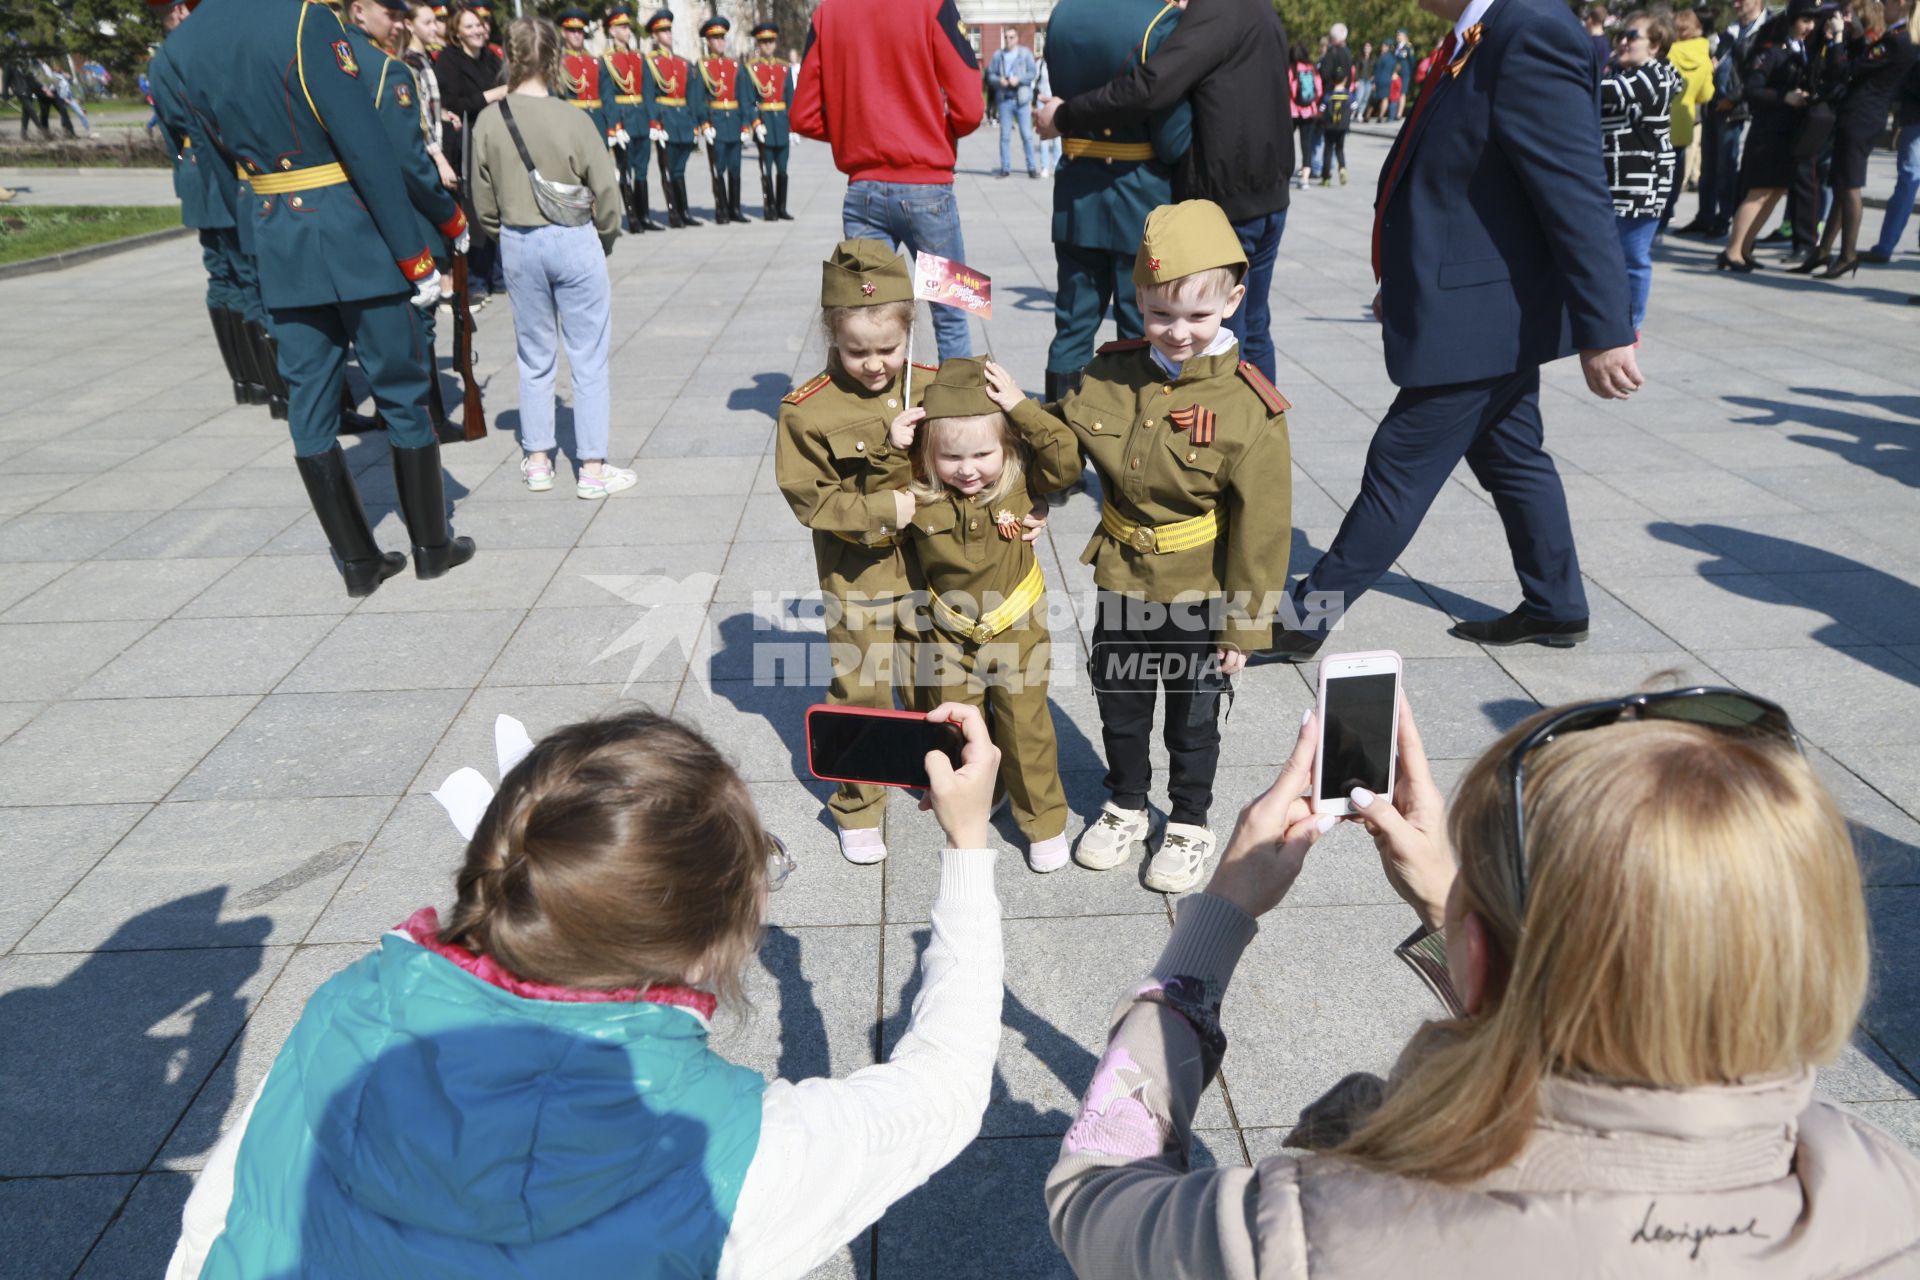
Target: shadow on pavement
[1890,449]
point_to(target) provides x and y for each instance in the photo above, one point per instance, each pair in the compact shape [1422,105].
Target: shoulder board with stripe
[926,368]
[1268,393]
[1123,344]
[806,388]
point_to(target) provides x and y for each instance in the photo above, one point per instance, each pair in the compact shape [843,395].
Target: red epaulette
[1269,394]
[806,388]
[926,368]
[1123,344]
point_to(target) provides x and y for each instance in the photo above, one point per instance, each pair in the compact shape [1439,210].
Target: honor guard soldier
[725,106]
[581,68]
[625,80]
[393,88]
[435,46]
[670,120]
[773,86]
[208,199]
[1110,178]
[277,88]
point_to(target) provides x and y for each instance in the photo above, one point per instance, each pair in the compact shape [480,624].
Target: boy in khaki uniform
[1191,555]
[986,642]
[846,482]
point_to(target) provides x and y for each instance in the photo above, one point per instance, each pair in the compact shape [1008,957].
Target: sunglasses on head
[1635,34]
[1730,711]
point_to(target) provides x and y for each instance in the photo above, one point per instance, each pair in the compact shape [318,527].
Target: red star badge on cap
[866,287]
[1153,264]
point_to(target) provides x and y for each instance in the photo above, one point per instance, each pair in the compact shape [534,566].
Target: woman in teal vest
[526,1088]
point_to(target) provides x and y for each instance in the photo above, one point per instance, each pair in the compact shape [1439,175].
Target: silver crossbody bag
[565,204]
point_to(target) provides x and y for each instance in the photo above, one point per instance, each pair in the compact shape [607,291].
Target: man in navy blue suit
[1495,249]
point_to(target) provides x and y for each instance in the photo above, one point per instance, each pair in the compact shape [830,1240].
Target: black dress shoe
[1521,628]
[1289,646]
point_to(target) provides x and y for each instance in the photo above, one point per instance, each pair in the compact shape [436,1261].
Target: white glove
[426,291]
[760,131]
[622,134]
[613,140]
[708,130]
[657,134]
[463,241]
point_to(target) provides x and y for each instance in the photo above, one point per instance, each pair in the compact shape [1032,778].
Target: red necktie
[1427,87]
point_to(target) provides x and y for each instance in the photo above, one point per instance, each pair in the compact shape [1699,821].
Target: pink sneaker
[538,475]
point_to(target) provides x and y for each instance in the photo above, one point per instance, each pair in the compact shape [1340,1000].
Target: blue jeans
[1906,184]
[1636,245]
[1253,322]
[1012,110]
[1720,170]
[923,216]
[554,272]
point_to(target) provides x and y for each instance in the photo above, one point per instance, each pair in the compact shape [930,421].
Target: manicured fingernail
[1361,797]
[1327,822]
[1306,716]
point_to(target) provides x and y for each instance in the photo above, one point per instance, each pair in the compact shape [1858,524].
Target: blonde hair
[899,312]
[927,485]
[1213,282]
[534,52]
[622,852]
[1694,918]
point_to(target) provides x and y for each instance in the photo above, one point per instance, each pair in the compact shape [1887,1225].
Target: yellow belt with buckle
[290,180]
[1092,149]
[669,102]
[994,621]
[773,106]
[1181,535]
[586,104]
[724,104]
[628,99]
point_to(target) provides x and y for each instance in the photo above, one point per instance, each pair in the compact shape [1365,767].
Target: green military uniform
[207,192]
[839,473]
[581,72]
[773,87]
[624,80]
[988,643]
[1196,472]
[724,100]
[670,116]
[1110,178]
[276,87]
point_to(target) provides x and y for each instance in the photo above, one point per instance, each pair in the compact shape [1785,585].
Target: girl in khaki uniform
[848,484]
[985,634]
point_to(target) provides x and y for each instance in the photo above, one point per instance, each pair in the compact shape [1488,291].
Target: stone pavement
[214,766]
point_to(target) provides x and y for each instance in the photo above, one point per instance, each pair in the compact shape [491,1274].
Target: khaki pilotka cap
[1185,239]
[959,390]
[864,273]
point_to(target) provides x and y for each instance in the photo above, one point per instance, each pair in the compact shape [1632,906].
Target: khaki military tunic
[838,472]
[1147,435]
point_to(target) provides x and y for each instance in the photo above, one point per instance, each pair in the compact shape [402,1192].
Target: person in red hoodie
[893,85]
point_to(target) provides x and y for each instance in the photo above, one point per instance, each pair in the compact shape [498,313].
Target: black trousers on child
[1138,648]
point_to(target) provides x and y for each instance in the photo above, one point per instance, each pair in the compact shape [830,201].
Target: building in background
[986,19]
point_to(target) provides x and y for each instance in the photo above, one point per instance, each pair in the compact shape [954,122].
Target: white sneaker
[1180,860]
[608,480]
[1113,837]
[1049,854]
[863,846]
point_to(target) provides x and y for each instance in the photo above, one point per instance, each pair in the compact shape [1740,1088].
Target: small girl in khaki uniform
[986,641]
[847,483]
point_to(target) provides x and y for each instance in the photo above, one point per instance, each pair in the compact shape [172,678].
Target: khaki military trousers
[1006,677]
[872,654]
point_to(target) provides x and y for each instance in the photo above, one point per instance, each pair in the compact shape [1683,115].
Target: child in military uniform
[986,599]
[1191,555]
[846,482]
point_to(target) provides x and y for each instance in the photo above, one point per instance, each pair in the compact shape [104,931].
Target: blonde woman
[556,275]
[1643,963]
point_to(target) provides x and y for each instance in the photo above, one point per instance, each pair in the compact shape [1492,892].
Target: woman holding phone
[1642,963]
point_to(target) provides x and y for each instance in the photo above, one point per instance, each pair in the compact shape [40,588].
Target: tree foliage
[1375,20]
[114,32]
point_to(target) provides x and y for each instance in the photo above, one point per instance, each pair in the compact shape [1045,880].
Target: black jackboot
[721,214]
[686,213]
[337,503]
[245,358]
[223,338]
[780,197]
[418,480]
[733,195]
[646,215]
[266,357]
[673,201]
[445,431]
[769,211]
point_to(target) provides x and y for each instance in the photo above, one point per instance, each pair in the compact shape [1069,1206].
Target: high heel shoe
[1814,262]
[1724,263]
[1844,267]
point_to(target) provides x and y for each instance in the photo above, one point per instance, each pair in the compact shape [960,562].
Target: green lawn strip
[36,230]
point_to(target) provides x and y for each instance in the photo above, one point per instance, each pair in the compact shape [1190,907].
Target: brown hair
[534,52]
[1658,26]
[900,312]
[622,852]
[1694,918]
[1687,25]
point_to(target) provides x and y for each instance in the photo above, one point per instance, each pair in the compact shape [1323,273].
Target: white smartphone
[1359,713]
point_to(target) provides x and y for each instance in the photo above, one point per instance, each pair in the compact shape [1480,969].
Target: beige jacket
[1758,1181]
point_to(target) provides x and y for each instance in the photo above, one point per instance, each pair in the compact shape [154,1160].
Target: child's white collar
[1223,341]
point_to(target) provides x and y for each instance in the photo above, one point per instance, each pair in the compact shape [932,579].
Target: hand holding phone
[885,748]
[962,799]
[1409,828]
[1359,717]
